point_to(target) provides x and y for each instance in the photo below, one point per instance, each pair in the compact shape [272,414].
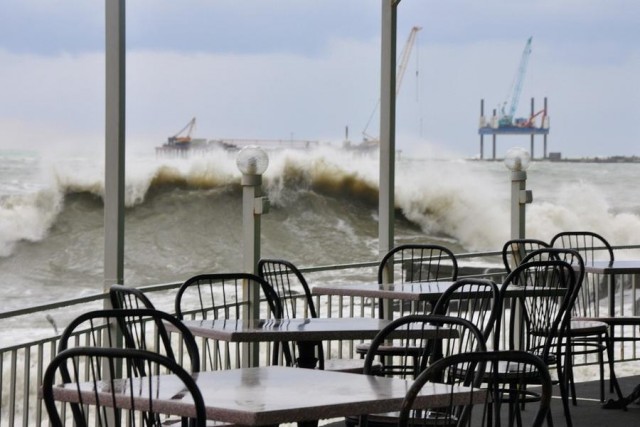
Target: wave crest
[27,217]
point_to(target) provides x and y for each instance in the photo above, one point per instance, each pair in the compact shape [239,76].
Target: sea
[183,215]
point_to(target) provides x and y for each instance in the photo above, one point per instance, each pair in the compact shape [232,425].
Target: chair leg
[568,372]
[571,380]
[613,380]
[564,395]
[549,419]
[601,365]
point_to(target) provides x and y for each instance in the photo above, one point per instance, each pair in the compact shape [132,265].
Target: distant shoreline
[612,159]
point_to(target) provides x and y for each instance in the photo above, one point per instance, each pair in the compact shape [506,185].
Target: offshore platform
[504,122]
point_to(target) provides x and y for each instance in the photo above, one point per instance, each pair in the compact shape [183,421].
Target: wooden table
[274,394]
[306,332]
[612,268]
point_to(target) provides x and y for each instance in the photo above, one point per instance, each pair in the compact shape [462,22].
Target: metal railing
[22,364]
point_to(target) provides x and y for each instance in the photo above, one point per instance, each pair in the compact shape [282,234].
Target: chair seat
[391,419]
[170,422]
[355,366]
[619,320]
[390,350]
[583,327]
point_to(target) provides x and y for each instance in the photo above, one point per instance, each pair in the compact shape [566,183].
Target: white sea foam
[461,200]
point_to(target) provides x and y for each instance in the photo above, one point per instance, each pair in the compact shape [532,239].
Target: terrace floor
[589,411]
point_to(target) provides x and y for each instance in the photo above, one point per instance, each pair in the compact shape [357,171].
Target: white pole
[517,161]
[518,185]
[114,144]
[386,203]
[252,162]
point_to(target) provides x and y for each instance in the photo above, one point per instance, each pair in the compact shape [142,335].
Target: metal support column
[386,214]
[114,159]
[114,144]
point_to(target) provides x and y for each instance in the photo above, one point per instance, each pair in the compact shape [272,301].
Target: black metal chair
[475,370]
[108,371]
[476,300]
[417,263]
[536,296]
[412,263]
[514,251]
[221,296]
[143,329]
[443,336]
[591,247]
[126,297]
[586,336]
[588,304]
[295,298]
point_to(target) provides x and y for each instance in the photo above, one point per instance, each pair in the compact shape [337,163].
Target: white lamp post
[517,161]
[252,162]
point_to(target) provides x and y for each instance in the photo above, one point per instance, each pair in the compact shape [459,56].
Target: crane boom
[178,139]
[404,57]
[400,71]
[511,103]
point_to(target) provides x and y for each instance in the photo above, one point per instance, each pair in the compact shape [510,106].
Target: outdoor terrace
[23,363]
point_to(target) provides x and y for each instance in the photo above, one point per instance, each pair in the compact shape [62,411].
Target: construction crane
[184,135]
[400,71]
[510,104]
[404,57]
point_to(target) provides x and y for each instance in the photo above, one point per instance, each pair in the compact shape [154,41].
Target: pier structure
[203,146]
[521,126]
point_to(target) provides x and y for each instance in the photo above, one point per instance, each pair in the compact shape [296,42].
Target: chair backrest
[476,300]
[419,263]
[143,329]
[416,263]
[104,370]
[221,296]
[591,246]
[514,251]
[542,291]
[290,285]
[295,298]
[125,297]
[592,298]
[410,343]
[474,370]
[579,302]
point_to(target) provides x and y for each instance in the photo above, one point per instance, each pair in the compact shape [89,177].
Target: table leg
[306,354]
[307,359]
[612,295]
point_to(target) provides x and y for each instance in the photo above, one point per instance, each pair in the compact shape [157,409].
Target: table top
[275,394]
[616,267]
[310,329]
[412,291]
